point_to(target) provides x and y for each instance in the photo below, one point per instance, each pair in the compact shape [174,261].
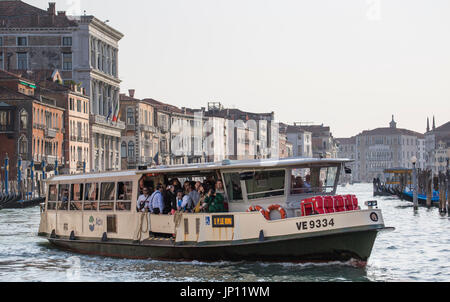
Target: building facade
[249,135]
[437,147]
[301,141]
[75,101]
[32,127]
[85,51]
[140,140]
[347,149]
[384,148]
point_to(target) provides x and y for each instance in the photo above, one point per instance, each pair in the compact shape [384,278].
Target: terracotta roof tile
[18,14]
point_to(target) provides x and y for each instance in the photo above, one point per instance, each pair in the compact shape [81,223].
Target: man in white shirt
[188,204]
[143,200]
[157,201]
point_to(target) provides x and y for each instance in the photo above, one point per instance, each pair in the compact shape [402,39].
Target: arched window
[23,146]
[131,150]
[123,150]
[23,119]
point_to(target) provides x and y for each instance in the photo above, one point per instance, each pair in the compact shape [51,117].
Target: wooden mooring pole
[448,186]
[442,191]
[428,188]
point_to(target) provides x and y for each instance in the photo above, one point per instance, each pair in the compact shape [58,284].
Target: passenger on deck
[179,200]
[188,204]
[186,186]
[195,196]
[171,200]
[214,202]
[143,200]
[219,187]
[201,202]
[65,200]
[176,183]
[157,201]
[299,185]
[307,184]
[197,185]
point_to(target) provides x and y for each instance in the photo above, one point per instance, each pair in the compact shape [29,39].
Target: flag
[109,113]
[116,113]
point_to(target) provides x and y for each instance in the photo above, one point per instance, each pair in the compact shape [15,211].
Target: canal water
[419,250]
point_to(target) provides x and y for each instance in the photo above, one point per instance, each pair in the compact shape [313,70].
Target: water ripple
[417,251]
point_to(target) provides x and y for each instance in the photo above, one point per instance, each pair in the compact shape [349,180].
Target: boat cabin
[245,183]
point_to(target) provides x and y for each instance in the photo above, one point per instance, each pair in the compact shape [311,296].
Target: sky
[348,64]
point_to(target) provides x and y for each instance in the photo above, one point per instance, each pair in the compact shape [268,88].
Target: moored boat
[298,217]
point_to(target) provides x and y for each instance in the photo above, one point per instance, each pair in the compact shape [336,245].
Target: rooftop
[393,131]
[18,14]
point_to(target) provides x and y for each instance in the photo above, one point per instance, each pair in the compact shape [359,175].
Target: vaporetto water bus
[277,211]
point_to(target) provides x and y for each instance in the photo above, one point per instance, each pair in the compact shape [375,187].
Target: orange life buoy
[278,208]
[261,210]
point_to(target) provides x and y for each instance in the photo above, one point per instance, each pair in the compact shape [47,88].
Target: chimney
[61,13]
[131,92]
[51,8]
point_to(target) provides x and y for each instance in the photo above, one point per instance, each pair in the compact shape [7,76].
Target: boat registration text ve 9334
[315,224]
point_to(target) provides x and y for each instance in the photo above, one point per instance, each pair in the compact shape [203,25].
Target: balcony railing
[148,128]
[51,133]
[102,120]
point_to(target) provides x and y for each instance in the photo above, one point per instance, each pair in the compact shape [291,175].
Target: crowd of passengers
[192,197]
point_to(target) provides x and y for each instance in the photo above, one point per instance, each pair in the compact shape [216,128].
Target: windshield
[313,180]
[265,184]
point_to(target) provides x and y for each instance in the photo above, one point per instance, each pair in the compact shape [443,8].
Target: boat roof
[206,167]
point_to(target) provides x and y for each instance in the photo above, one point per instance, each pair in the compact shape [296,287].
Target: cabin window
[124,191]
[106,195]
[264,184]
[91,197]
[313,181]
[233,186]
[76,197]
[331,174]
[63,199]
[52,197]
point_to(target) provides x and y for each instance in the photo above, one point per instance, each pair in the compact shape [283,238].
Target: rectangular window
[107,193]
[22,41]
[52,197]
[233,186]
[22,61]
[124,191]
[76,197]
[2,60]
[67,61]
[78,105]
[67,41]
[91,197]
[1,41]
[263,184]
[63,199]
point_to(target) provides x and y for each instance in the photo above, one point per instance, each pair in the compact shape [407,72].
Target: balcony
[102,120]
[148,128]
[50,133]
[6,129]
